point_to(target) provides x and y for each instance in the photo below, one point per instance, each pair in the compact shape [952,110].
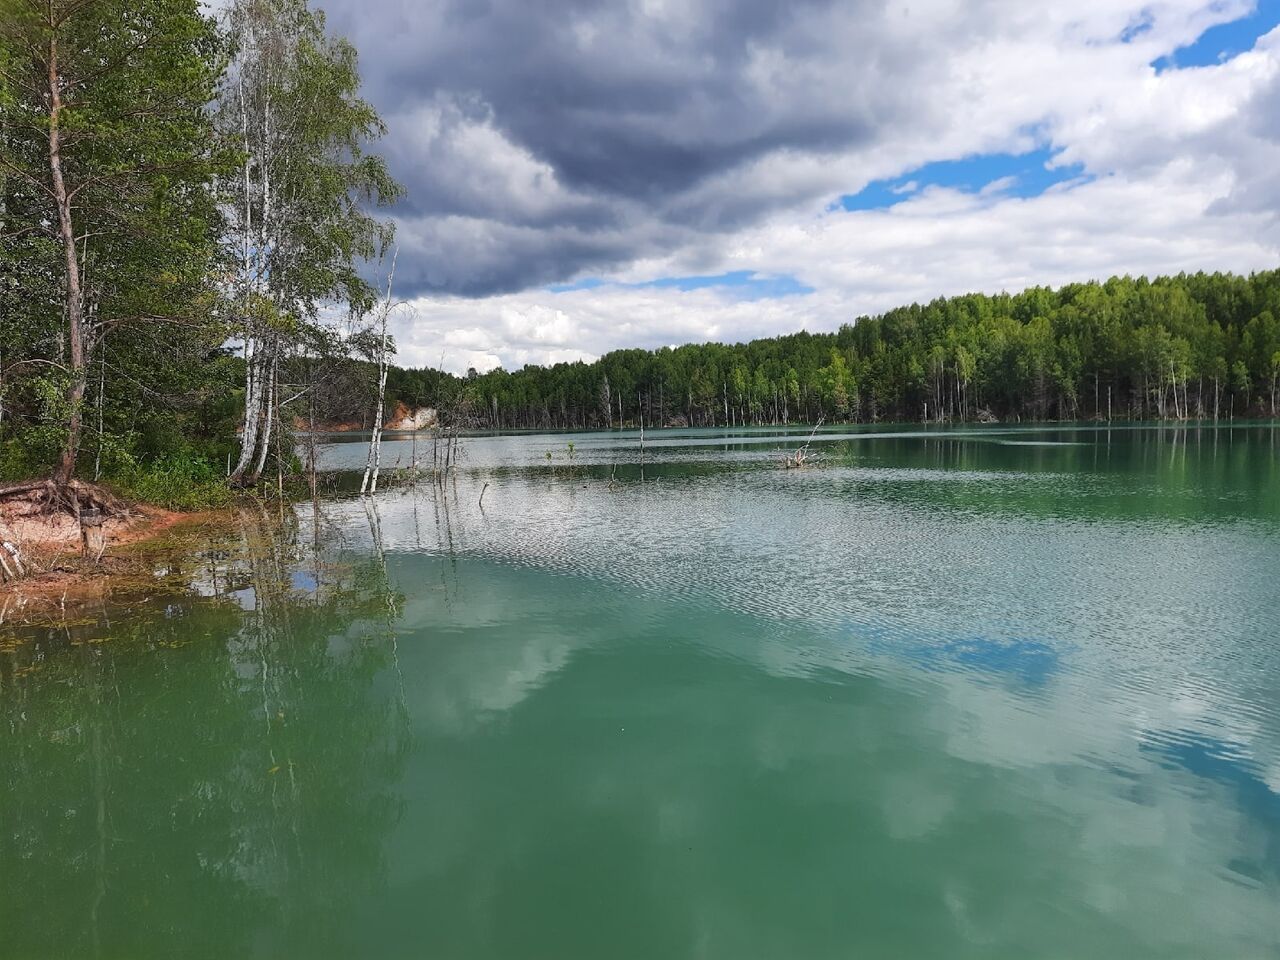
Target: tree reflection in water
[205,775]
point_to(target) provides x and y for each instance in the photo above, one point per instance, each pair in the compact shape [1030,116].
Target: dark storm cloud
[542,139]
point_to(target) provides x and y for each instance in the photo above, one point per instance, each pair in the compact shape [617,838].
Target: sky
[586,175]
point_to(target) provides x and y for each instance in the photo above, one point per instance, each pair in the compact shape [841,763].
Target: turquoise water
[952,693]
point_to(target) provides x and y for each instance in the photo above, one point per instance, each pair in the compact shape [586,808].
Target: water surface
[990,692]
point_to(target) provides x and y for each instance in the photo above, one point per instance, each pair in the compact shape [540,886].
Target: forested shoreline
[1198,346]
[194,276]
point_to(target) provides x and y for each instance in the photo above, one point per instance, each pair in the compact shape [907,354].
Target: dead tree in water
[11,561]
[801,457]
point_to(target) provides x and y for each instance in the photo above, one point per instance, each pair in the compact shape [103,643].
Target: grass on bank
[173,483]
[184,480]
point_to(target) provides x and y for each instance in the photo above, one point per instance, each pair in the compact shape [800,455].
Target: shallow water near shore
[970,692]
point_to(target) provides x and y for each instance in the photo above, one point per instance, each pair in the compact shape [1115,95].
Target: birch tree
[298,204]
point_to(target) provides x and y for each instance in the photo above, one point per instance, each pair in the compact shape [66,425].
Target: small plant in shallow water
[570,449]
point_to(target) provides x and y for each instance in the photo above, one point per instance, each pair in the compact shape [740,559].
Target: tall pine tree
[107,151]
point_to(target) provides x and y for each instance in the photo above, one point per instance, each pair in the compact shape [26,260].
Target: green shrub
[14,462]
[176,482]
[31,453]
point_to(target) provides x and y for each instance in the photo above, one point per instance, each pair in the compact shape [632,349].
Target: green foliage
[179,481]
[152,149]
[32,450]
[301,196]
[299,222]
[23,458]
[138,154]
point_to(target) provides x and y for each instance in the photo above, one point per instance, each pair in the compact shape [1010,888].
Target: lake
[990,692]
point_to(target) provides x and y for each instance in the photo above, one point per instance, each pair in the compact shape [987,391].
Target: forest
[196,271]
[1202,346]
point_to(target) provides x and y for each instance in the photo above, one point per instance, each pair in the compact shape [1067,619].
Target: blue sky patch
[744,284]
[1223,762]
[1224,41]
[1139,25]
[1027,663]
[1029,176]
[587,283]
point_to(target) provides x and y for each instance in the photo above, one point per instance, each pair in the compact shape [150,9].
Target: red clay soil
[302,425]
[399,415]
[50,548]
[401,418]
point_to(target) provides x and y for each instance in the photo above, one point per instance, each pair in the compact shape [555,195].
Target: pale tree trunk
[270,364]
[74,304]
[102,391]
[369,483]
[262,347]
[252,407]
[373,466]
[268,413]
[252,410]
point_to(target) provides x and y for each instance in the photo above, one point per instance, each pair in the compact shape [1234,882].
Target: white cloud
[938,242]
[540,327]
[1182,172]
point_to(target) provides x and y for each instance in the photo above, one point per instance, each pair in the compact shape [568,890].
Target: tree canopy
[108,223]
[175,190]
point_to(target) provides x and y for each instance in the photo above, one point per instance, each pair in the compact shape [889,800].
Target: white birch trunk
[252,404]
[269,415]
[252,411]
[374,463]
[375,443]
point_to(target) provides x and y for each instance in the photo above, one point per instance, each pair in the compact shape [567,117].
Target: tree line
[1192,346]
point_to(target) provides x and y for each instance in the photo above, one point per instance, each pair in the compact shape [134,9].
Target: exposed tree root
[42,513]
[71,497]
